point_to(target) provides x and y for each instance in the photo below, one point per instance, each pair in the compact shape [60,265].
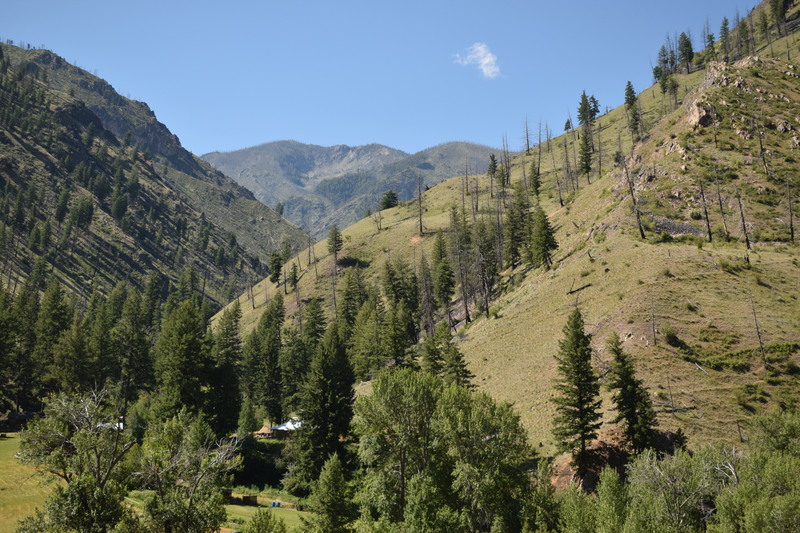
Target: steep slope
[319,186]
[256,227]
[693,313]
[95,210]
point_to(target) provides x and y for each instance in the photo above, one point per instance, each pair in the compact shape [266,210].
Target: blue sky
[413,74]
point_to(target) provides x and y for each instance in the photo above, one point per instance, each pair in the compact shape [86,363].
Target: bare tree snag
[744,222]
[705,209]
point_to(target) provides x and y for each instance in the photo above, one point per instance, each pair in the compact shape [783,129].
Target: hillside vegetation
[686,307]
[99,208]
[258,229]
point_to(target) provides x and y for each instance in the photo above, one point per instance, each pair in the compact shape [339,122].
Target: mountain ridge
[132,121]
[319,186]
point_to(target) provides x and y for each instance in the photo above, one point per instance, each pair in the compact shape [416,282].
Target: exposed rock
[700,114]
[783,126]
[675,147]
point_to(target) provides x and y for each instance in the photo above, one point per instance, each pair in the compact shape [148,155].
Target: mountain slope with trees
[700,287]
[257,228]
[586,296]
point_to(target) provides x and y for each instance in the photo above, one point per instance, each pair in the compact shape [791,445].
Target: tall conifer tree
[578,388]
[631,399]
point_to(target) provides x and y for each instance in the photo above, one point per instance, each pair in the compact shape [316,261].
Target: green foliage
[366,343]
[632,111]
[264,521]
[247,424]
[670,494]
[631,399]
[543,240]
[224,394]
[263,380]
[294,359]
[182,360]
[612,502]
[275,265]
[335,242]
[685,51]
[78,442]
[395,431]
[180,457]
[443,278]
[442,357]
[517,226]
[461,467]
[577,512]
[388,200]
[330,499]
[326,409]
[577,401]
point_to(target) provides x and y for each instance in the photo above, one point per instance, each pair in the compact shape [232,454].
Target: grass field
[244,512]
[20,490]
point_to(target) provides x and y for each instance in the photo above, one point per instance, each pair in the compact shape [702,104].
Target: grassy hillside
[686,308]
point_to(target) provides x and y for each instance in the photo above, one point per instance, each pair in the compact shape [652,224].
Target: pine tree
[53,318]
[70,369]
[326,409]
[585,152]
[353,296]
[333,509]
[632,110]
[366,341]
[685,51]
[181,360]
[631,399]
[724,39]
[275,265]
[294,359]
[388,200]
[443,279]
[442,357]
[130,346]
[225,395]
[267,388]
[492,172]
[485,260]
[247,424]
[426,295]
[543,240]
[314,324]
[536,180]
[578,389]
[335,243]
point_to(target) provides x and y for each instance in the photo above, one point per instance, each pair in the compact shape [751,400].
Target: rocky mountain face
[94,207]
[318,186]
[204,188]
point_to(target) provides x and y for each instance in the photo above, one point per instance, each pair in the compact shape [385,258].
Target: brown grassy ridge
[710,379]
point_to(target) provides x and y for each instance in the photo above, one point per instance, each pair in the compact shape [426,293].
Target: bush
[670,336]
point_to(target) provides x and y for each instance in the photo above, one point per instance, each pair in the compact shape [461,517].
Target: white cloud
[479,55]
